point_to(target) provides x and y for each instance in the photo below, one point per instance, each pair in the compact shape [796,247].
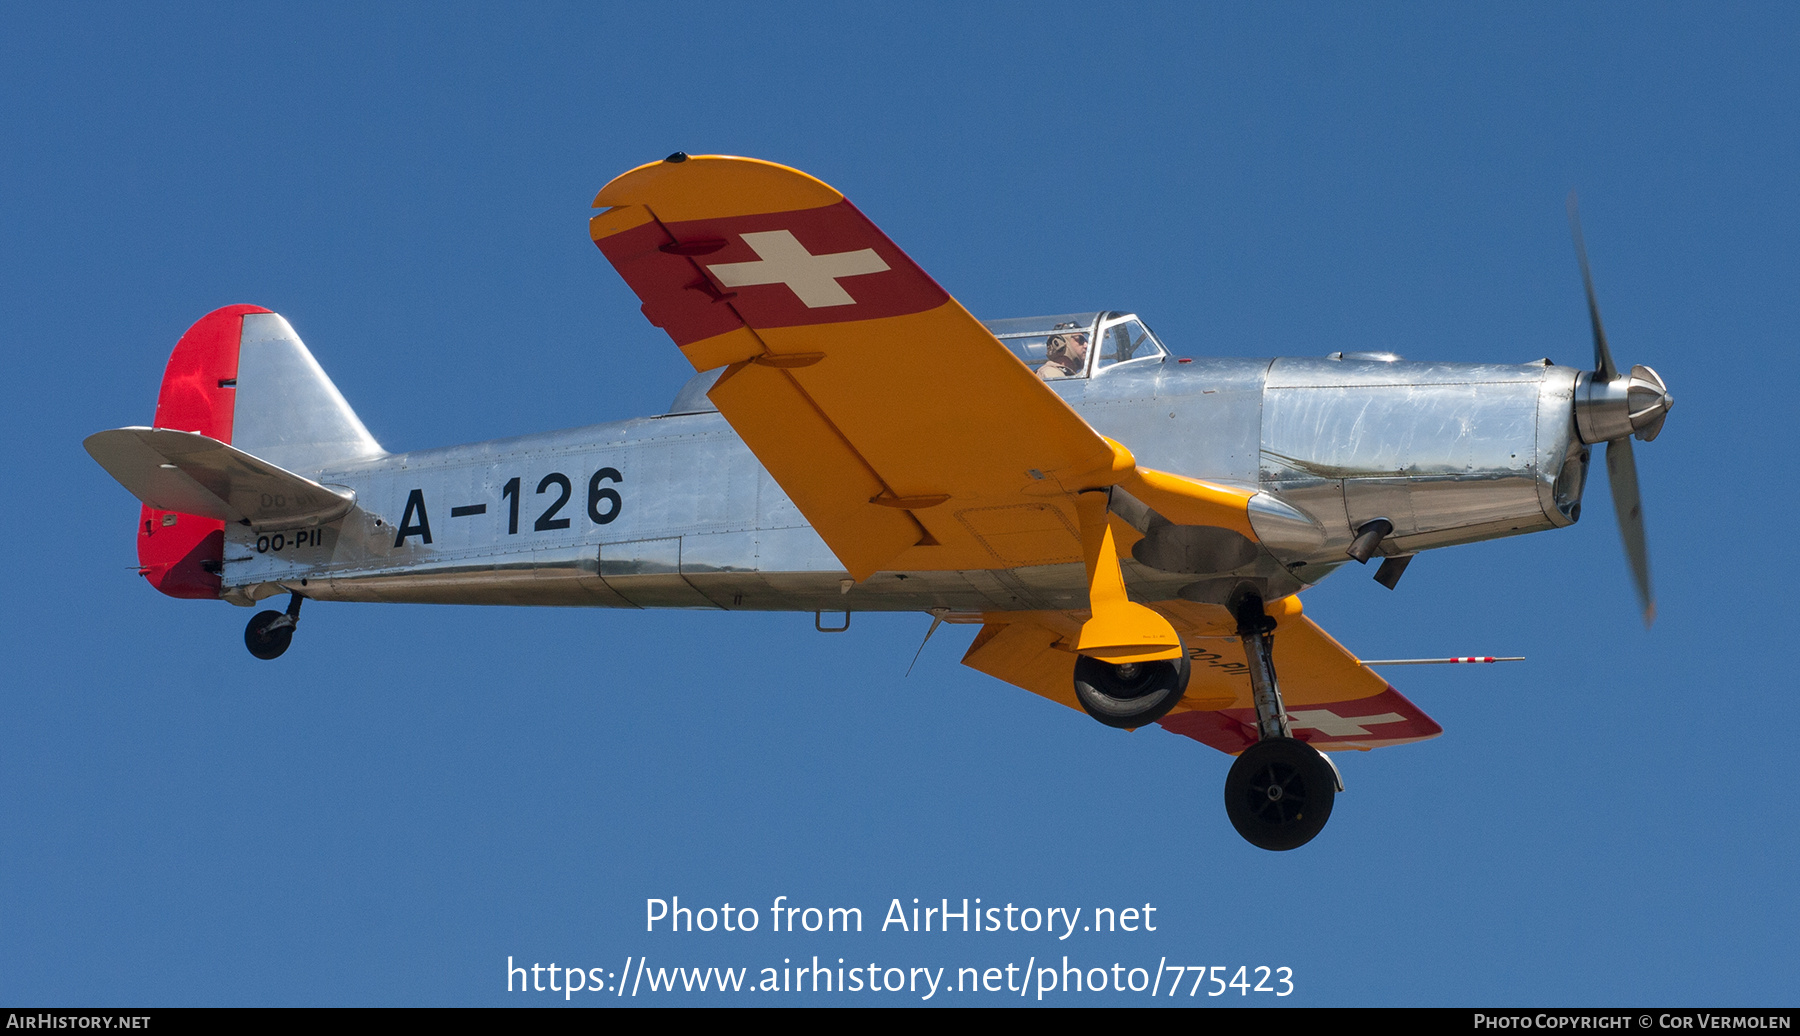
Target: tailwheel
[1279,793]
[1132,694]
[270,633]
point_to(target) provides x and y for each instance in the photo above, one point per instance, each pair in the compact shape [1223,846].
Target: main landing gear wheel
[1279,793]
[1133,694]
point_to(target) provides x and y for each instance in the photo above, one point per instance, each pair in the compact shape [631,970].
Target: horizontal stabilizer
[197,474]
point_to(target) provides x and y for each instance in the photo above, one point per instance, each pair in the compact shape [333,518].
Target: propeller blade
[1604,369]
[1628,506]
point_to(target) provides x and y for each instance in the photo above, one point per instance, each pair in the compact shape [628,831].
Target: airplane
[1130,528]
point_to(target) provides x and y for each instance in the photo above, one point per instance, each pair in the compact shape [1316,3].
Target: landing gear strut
[1280,790]
[270,633]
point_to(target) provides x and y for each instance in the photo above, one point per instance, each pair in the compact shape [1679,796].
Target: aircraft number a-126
[1130,529]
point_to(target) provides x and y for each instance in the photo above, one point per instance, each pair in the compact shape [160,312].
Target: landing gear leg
[1280,791]
[270,633]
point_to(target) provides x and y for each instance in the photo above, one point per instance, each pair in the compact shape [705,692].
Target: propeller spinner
[1611,408]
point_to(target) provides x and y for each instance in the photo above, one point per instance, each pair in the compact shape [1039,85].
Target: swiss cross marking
[1333,725]
[782,259]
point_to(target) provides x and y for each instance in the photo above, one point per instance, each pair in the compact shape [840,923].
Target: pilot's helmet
[1058,345]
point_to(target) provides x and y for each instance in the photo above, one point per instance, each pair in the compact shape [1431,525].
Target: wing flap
[199,475]
[828,480]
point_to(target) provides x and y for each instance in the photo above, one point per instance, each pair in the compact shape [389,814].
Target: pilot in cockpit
[1067,353]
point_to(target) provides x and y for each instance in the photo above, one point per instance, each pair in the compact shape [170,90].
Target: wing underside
[1333,701]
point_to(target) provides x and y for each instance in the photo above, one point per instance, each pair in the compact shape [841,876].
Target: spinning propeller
[1611,408]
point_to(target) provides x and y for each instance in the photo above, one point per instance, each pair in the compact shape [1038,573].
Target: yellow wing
[907,435]
[1333,701]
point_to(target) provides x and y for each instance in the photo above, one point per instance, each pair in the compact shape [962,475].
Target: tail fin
[242,376]
[288,412]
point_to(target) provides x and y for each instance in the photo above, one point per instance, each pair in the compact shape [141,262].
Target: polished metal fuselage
[675,511]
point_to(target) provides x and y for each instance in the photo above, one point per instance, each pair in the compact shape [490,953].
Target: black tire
[1279,793]
[266,643]
[1133,695]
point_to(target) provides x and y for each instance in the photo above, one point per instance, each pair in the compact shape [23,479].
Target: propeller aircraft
[1129,528]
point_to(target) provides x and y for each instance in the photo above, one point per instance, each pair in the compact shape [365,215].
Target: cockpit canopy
[1062,346]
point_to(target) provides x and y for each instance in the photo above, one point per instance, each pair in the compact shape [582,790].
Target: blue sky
[413,794]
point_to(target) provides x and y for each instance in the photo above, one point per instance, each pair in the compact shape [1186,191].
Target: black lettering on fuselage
[415,505]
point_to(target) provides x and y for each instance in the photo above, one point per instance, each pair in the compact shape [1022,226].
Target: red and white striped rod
[1439,661]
